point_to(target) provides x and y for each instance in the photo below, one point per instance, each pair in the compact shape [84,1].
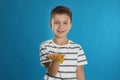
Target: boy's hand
[56,57]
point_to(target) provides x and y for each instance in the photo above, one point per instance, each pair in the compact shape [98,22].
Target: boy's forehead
[61,17]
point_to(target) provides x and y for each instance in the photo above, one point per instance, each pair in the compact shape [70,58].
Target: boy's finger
[48,56]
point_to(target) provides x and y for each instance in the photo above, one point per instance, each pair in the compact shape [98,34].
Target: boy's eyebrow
[67,21]
[64,20]
[55,20]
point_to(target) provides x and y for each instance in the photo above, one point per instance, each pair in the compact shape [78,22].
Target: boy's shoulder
[74,43]
[46,42]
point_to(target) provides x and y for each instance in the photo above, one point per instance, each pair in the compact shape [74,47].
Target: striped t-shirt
[74,56]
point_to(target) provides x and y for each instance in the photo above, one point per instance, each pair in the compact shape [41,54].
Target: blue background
[25,23]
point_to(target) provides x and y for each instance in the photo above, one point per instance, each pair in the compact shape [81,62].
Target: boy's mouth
[60,32]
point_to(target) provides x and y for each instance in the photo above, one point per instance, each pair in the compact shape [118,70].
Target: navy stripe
[63,52]
[70,53]
[44,54]
[81,55]
[44,60]
[80,49]
[70,59]
[67,47]
[62,47]
[68,65]
[82,60]
[60,77]
[43,49]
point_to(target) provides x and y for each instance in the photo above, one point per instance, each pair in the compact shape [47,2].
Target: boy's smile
[60,25]
[60,32]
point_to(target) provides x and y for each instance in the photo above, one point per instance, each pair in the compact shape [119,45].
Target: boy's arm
[80,73]
[52,67]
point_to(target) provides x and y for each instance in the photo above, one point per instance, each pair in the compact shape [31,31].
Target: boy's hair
[61,10]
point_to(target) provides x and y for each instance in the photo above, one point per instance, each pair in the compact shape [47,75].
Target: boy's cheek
[54,28]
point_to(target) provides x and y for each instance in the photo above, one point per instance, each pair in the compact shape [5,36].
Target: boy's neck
[60,41]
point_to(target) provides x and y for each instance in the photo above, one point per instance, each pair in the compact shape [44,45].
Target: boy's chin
[60,36]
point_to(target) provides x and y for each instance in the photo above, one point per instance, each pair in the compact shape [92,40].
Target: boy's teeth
[60,31]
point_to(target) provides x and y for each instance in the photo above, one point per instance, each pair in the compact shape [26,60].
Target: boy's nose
[60,25]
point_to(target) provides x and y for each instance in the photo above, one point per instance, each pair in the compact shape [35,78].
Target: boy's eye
[66,23]
[56,23]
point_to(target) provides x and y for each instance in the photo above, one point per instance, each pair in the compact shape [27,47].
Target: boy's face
[60,24]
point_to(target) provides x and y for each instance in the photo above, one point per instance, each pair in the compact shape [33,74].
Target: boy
[62,58]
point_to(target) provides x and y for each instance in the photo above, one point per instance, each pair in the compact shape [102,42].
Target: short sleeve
[43,53]
[81,57]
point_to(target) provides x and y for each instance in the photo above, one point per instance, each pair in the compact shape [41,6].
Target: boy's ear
[70,25]
[50,24]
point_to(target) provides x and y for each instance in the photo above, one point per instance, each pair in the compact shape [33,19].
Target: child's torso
[67,70]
